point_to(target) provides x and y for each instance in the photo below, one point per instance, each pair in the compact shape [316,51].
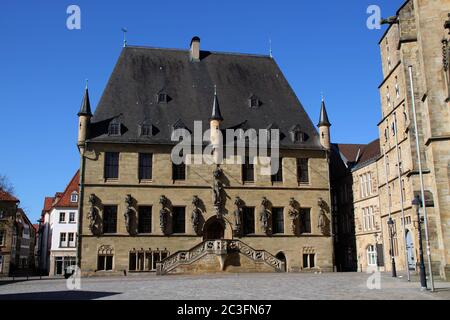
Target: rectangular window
[145,166]
[249,220]
[72,217]
[179,220]
[248,171]
[278,177]
[303,170]
[105,263]
[109,219]
[2,238]
[72,240]
[309,261]
[111,165]
[178,172]
[132,262]
[277,220]
[63,240]
[62,217]
[305,220]
[145,220]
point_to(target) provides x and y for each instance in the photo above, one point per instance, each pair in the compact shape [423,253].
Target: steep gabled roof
[7,197]
[72,187]
[141,73]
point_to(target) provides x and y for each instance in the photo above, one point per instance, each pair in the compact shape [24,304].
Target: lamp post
[423,280]
[391,238]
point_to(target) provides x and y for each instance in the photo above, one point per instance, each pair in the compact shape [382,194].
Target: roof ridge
[260,55]
[67,188]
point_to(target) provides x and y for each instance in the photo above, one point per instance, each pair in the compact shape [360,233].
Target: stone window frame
[372,255]
[278,212]
[105,252]
[149,262]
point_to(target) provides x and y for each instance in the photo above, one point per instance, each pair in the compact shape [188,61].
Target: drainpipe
[80,207]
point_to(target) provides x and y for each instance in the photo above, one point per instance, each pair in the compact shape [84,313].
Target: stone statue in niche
[196,214]
[163,201]
[264,215]
[322,221]
[94,224]
[238,216]
[128,215]
[217,191]
[294,214]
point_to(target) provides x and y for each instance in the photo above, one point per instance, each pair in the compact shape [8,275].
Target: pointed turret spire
[216,114]
[324,122]
[85,105]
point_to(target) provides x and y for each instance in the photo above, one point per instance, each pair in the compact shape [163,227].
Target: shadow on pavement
[58,295]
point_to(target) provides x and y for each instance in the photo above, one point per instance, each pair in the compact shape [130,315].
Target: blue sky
[320,45]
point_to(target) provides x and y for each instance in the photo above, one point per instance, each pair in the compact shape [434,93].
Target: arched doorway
[410,250]
[282,257]
[214,229]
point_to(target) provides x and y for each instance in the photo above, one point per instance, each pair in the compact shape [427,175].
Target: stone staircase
[202,259]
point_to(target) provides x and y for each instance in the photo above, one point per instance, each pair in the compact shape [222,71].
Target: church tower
[324,127]
[84,120]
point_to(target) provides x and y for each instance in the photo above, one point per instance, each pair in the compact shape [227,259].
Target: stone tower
[324,127]
[84,120]
[215,121]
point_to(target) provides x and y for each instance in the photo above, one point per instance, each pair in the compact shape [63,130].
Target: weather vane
[124,30]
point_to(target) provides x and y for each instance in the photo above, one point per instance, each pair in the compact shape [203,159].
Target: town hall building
[141,212]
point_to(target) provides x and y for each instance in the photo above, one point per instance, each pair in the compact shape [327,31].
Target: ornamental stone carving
[217,191]
[323,219]
[294,214]
[238,216]
[94,219]
[264,215]
[196,214]
[129,215]
[163,213]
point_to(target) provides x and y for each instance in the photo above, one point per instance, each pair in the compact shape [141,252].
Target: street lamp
[423,280]
[391,251]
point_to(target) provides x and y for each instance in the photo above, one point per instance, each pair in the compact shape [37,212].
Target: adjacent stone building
[138,207]
[8,209]
[416,38]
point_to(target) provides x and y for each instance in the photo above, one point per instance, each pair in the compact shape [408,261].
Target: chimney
[195,49]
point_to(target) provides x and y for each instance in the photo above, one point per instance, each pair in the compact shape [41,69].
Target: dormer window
[162,97]
[74,197]
[254,102]
[297,135]
[114,128]
[146,130]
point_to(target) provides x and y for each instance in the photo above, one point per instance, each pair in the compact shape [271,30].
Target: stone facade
[8,209]
[198,183]
[416,39]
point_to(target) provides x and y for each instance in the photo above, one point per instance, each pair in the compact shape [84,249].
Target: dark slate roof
[141,73]
[324,121]
[357,156]
[85,109]
[216,114]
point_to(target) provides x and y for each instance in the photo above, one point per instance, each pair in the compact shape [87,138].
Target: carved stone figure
[293,213]
[163,213]
[217,191]
[196,214]
[238,215]
[128,215]
[322,221]
[264,215]
[93,217]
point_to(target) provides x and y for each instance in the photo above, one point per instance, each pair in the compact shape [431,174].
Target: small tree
[6,185]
